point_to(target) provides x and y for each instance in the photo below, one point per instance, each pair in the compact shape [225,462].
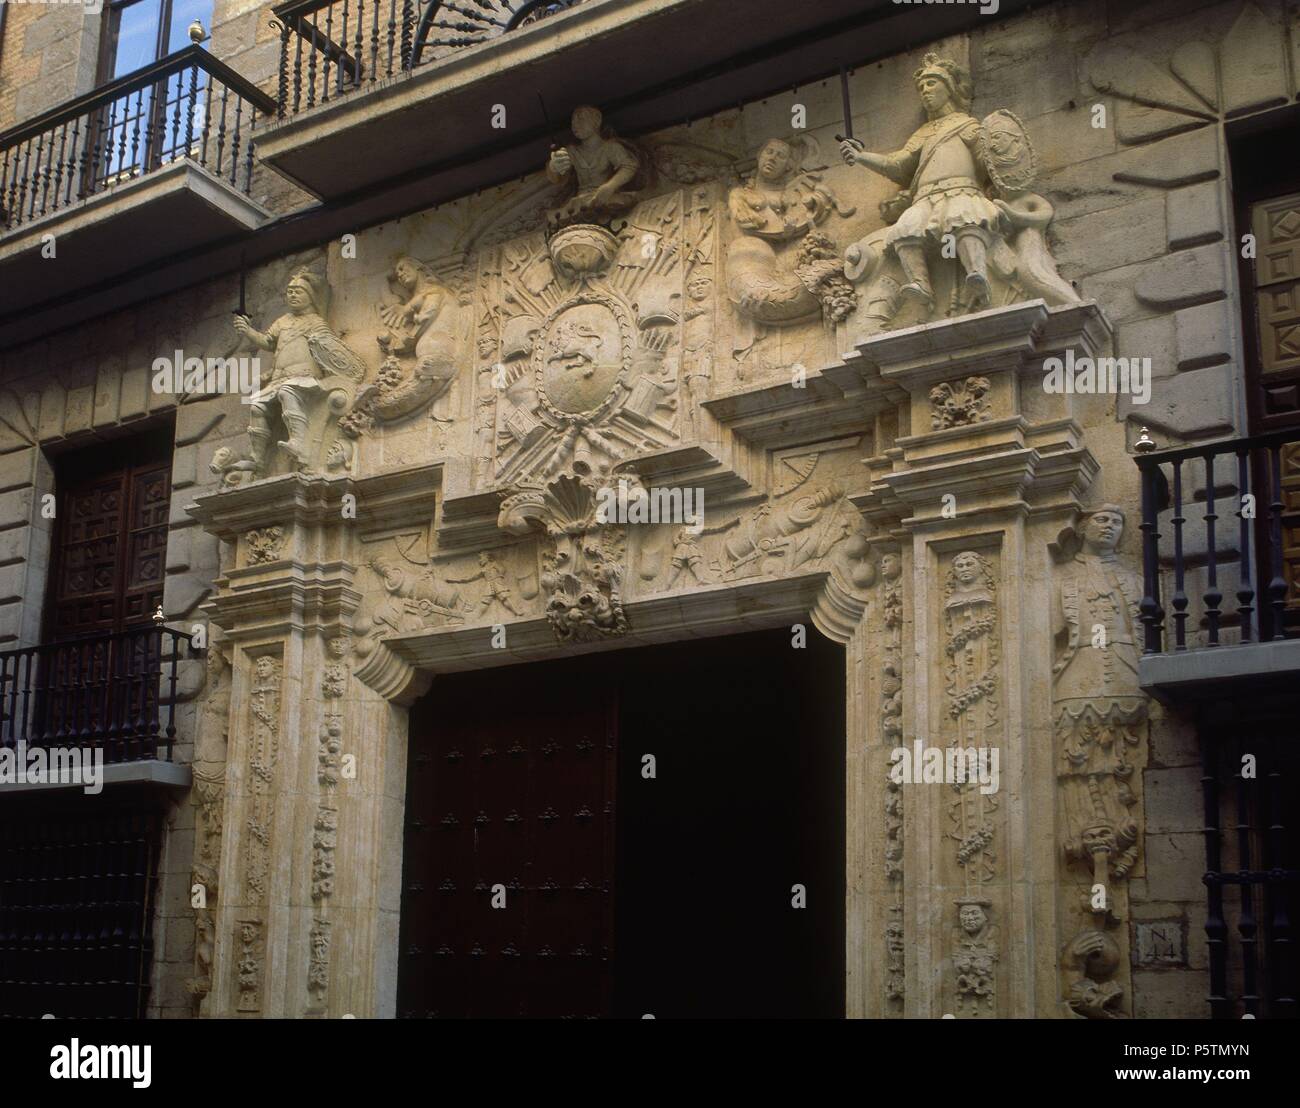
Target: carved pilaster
[988,467]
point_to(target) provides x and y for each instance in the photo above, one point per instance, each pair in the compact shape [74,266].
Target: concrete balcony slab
[105,239]
[646,63]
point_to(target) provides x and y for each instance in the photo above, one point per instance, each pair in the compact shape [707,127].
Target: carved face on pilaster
[966,568]
[1102,531]
[891,567]
[973,919]
[697,288]
[1099,839]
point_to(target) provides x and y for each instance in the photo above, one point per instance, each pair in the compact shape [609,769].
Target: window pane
[185,12]
[135,36]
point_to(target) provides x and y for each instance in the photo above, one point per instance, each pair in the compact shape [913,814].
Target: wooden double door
[621,834]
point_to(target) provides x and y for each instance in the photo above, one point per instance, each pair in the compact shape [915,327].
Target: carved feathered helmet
[317,290]
[951,74]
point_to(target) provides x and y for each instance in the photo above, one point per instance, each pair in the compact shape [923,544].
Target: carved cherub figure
[307,350]
[944,178]
[601,168]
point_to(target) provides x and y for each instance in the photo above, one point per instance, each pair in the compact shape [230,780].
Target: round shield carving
[1007,153]
[582,355]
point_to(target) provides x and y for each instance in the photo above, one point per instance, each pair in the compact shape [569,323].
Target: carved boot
[296,446]
[258,441]
[971,251]
[911,256]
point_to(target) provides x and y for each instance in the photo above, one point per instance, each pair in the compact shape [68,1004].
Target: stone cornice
[398,497]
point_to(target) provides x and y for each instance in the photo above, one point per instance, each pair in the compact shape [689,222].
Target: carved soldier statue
[307,352]
[944,179]
[1098,710]
[601,168]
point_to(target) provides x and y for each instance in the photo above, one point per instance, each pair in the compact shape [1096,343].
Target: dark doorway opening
[626,894]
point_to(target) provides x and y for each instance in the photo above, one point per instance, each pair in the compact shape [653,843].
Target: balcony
[386,94]
[1221,523]
[114,693]
[148,167]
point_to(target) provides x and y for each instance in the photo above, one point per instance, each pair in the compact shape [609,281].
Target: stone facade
[841,344]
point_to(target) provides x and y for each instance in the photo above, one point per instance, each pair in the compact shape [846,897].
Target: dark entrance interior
[624,894]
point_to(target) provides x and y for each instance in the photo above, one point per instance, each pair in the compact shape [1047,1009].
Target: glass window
[142,31]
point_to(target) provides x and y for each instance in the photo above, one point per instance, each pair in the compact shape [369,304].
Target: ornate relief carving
[416,599]
[966,231]
[263,755]
[974,956]
[312,381]
[1100,724]
[891,727]
[496,585]
[583,561]
[782,204]
[318,966]
[973,649]
[777,539]
[959,403]
[1099,712]
[335,680]
[248,967]
[209,771]
[264,546]
[423,330]
[596,316]
[325,836]
[697,345]
[1091,961]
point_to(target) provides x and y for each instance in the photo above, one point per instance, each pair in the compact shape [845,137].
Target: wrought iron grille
[112,691]
[77,887]
[1242,493]
[187,105]
[332,47]
[1252,885]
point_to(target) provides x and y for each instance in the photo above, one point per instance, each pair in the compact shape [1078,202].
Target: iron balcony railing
[187,105]
[331,47]
[114,691]
[1257,481]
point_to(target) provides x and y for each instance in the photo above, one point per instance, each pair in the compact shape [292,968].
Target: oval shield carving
[581,356]
[1007,152]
